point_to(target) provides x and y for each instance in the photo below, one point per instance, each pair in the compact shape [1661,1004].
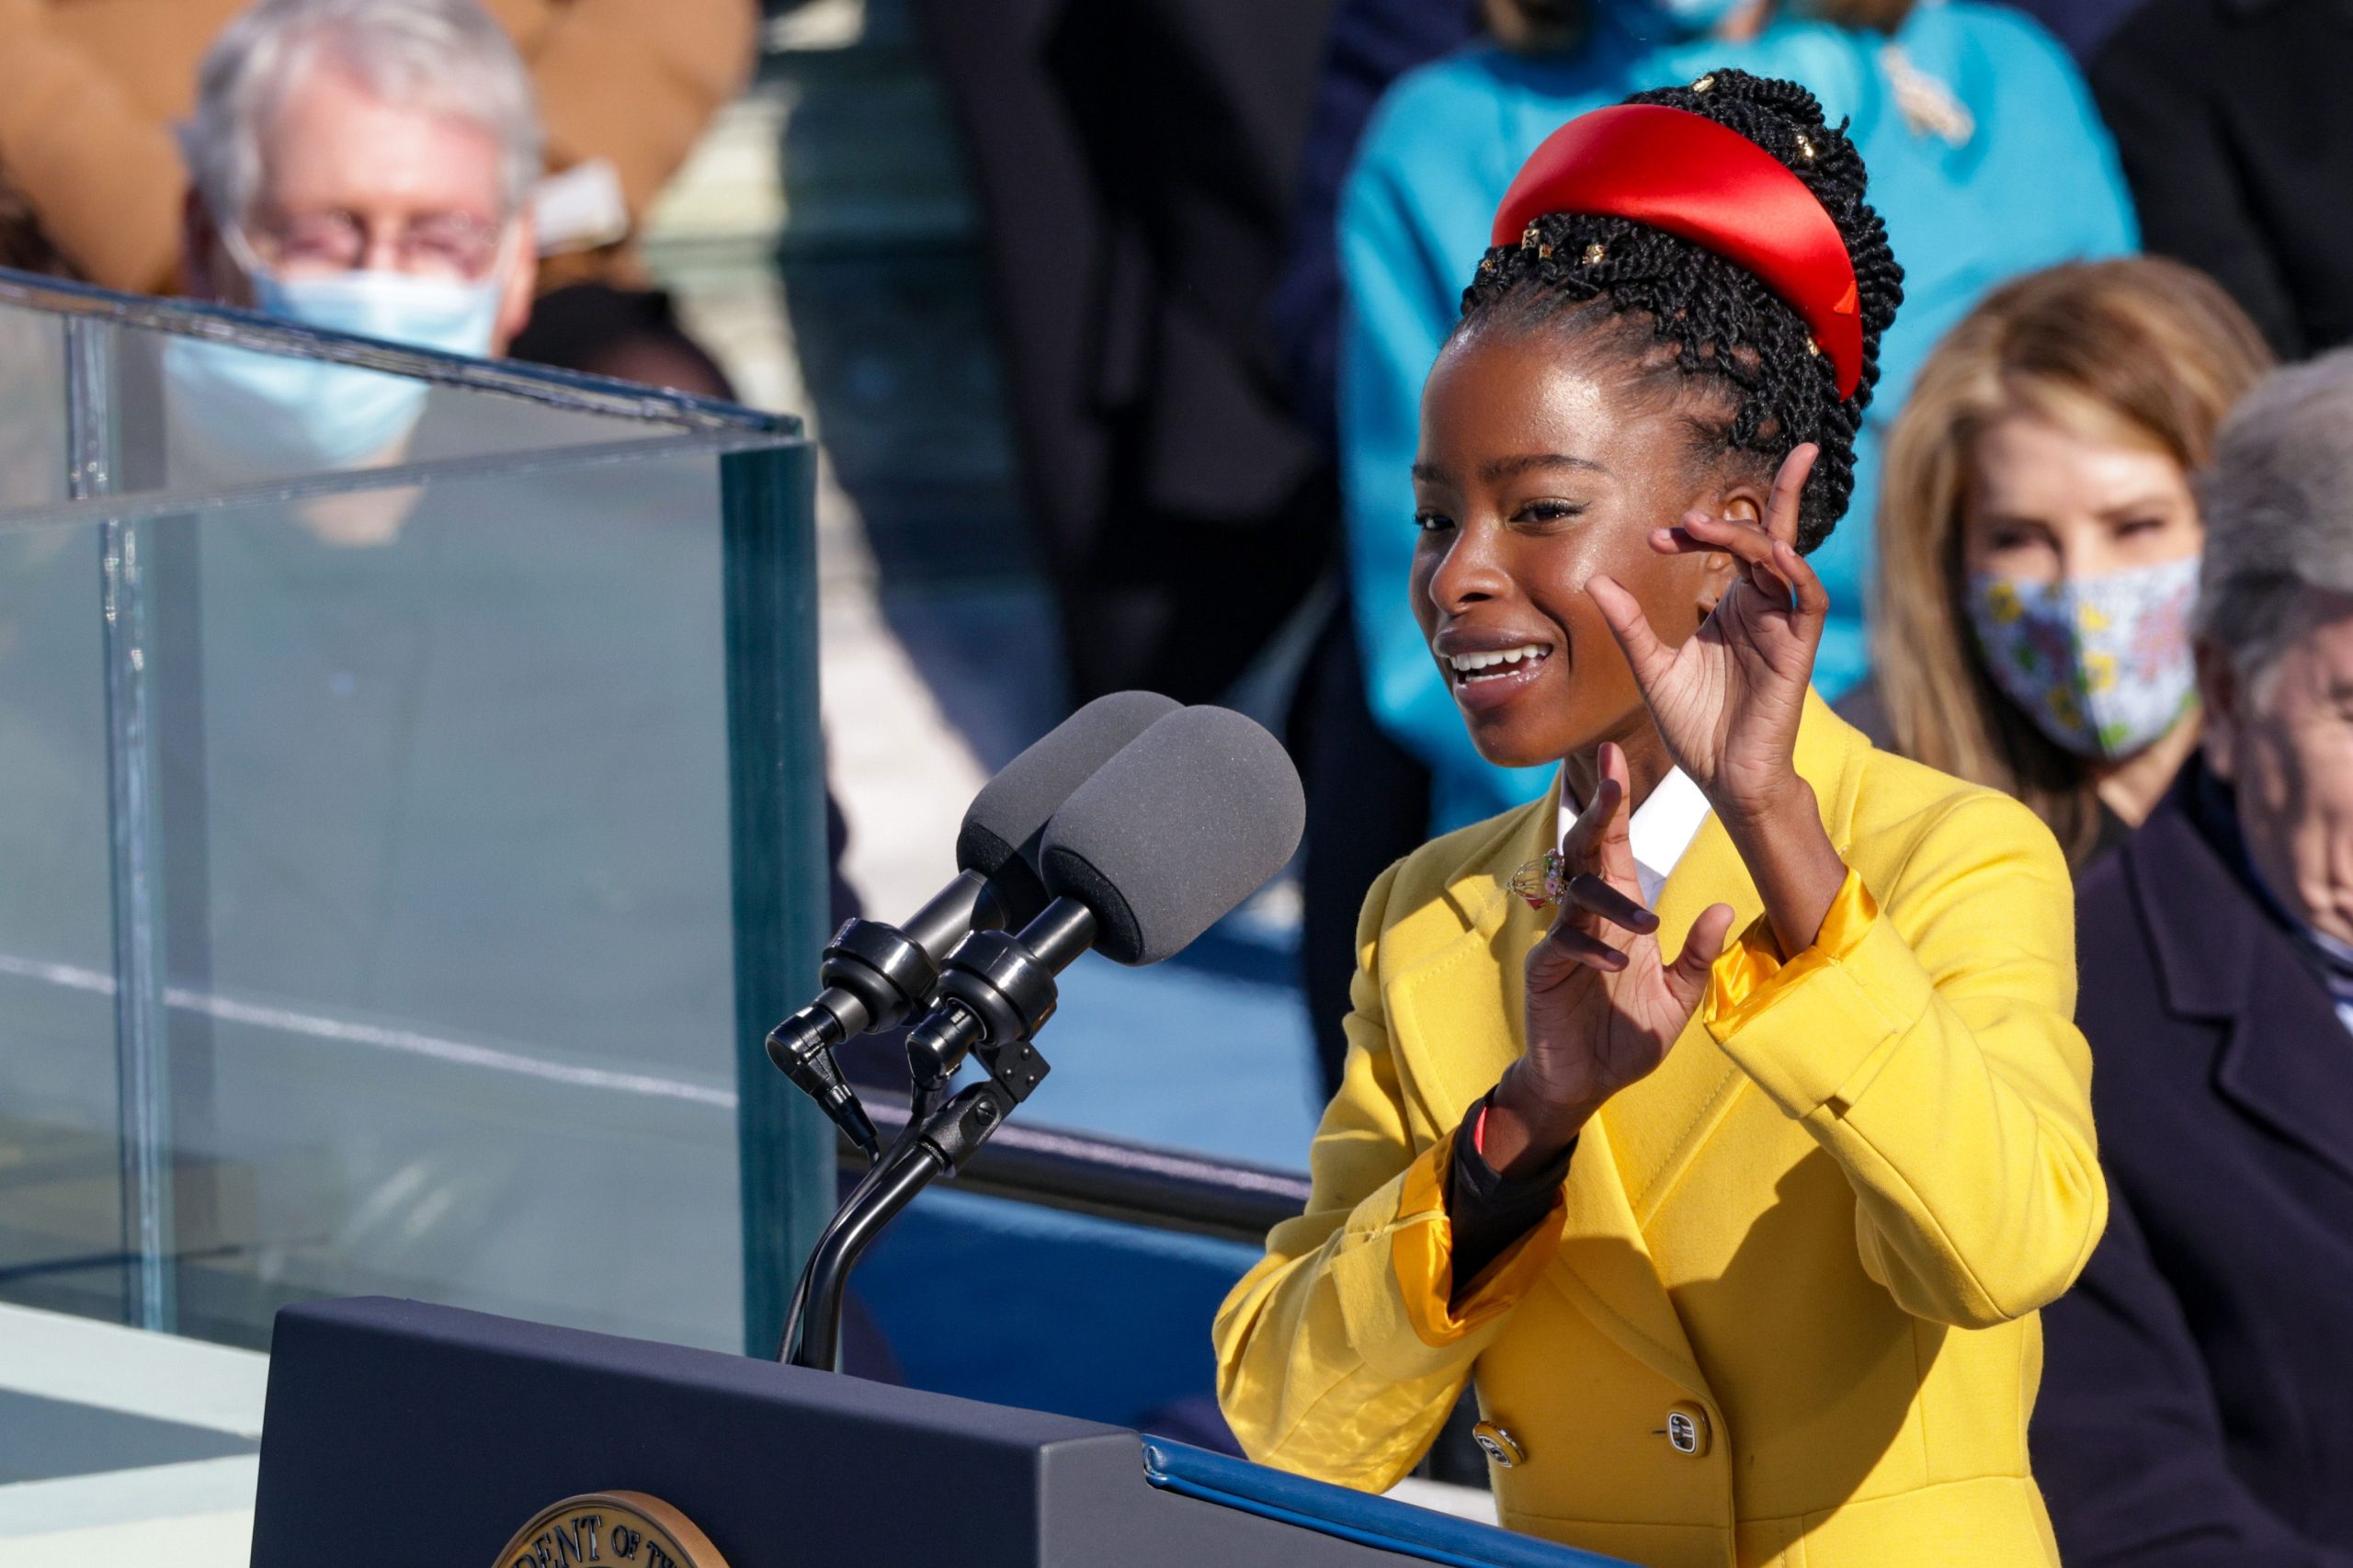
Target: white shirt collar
[1663,827]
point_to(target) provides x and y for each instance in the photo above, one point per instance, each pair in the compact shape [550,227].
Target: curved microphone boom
[1168,837]
[876,974]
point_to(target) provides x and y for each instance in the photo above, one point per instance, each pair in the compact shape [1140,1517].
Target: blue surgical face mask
[284,415]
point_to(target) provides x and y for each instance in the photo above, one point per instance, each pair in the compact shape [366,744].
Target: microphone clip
[802,1049]
[996,991]
[874,975]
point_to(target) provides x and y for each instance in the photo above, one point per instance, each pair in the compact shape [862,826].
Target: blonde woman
[2039,541]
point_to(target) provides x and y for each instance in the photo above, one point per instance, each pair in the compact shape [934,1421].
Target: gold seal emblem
[610,1530]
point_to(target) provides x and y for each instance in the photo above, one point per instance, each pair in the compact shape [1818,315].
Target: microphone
[875,975]
[1190,819]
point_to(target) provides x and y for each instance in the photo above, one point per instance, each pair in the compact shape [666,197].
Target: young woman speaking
[1721,1116]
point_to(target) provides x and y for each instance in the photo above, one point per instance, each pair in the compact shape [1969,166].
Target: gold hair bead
[1486,266]
[1593,253]
[1528,237]
[1805,148]
[1543,253]
[1703,84]
[1812,346]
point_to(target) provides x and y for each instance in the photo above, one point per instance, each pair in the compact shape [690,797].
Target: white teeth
[1469,663]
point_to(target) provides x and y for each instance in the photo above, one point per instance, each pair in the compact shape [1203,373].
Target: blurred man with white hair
[365,166]
[90,94]
[2197,1402]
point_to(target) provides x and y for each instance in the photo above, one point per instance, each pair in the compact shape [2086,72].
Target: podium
[397,1433]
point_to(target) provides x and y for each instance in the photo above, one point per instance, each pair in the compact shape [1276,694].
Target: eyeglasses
[435,244]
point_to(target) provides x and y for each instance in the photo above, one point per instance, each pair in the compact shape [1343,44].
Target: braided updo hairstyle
[1703,326]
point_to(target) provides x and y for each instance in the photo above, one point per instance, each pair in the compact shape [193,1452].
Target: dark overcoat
[2197,1401]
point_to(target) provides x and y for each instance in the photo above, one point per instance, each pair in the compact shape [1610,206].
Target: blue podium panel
[1352,1516]
[397,1432]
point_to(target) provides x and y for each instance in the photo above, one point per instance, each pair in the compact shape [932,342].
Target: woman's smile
[1486,670]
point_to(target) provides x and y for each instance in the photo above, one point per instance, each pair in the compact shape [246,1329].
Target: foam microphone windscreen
[1176,830]
[1005,818]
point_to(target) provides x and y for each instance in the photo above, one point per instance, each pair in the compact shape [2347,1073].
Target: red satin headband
[1677,170]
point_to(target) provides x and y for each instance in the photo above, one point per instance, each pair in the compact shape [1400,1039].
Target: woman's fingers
[1600,898]
[1614,856]
[1686,977]
[1789,491]
[1578,844]
[1744,542]
[1764,559]
[1596,897]
[1567,945]
[1812,598]
[1623,615]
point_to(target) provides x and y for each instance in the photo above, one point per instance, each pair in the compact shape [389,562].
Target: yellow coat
[1823,1227]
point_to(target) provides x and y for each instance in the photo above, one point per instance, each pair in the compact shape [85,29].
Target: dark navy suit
[2197,1401]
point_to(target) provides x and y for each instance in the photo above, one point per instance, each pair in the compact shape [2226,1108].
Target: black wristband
[1488,1209]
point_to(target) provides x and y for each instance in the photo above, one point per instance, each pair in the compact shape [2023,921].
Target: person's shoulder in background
[2107,919]
[1988,159]
[2081,27]
[1435,116]
[2169,33]
[2215,47]
[1999,61]
[1473,114]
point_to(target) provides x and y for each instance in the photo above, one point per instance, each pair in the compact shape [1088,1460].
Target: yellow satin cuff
[1751,975]
[1422,1251]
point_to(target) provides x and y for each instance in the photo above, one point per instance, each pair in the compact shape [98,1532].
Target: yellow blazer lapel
[1657,1124]
[1455,1011]
[1660,1123]
[1455,1018]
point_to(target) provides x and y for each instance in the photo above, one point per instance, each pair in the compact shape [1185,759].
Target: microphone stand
[948,1138]
[943,1143]
[993,998]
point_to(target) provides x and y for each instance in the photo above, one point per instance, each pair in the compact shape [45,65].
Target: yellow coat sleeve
[1343,1351]
[1925,1041]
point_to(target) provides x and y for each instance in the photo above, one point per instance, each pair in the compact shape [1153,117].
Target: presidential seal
[610,1530]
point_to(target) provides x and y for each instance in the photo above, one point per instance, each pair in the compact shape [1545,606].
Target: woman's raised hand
[1602,1006]
[1727,701]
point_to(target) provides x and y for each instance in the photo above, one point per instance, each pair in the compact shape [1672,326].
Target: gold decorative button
[1686,1429]
[1497,1444]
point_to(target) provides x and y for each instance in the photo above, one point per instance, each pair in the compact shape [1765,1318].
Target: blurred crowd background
[1110,319]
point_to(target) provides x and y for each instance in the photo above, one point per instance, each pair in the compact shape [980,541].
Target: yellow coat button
[1686,1429]
[1497,1444]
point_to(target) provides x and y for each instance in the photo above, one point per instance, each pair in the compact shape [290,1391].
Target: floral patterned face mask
[2101,664]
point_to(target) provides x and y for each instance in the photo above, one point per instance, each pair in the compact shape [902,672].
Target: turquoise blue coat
[2034,181]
